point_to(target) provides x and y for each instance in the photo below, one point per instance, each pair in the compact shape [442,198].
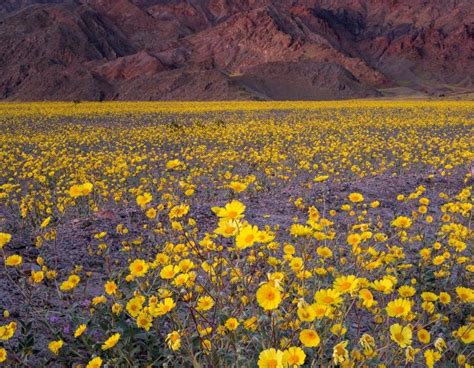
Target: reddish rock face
[129,67]
[243,49]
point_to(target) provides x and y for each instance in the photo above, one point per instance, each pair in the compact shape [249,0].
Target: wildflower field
[272,234]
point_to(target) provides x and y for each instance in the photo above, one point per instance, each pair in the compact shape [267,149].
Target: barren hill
[243,49]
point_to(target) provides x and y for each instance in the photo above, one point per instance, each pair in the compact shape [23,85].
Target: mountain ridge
[245,49]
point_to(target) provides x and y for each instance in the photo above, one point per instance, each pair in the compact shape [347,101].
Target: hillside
[244,49]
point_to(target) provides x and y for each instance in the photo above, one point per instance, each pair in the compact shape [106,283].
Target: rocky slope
[243,49]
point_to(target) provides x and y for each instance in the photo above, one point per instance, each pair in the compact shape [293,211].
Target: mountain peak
[157,49]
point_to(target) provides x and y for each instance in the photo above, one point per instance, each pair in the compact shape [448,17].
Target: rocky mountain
[242,49]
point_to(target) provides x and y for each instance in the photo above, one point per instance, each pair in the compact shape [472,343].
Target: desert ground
[237,234]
